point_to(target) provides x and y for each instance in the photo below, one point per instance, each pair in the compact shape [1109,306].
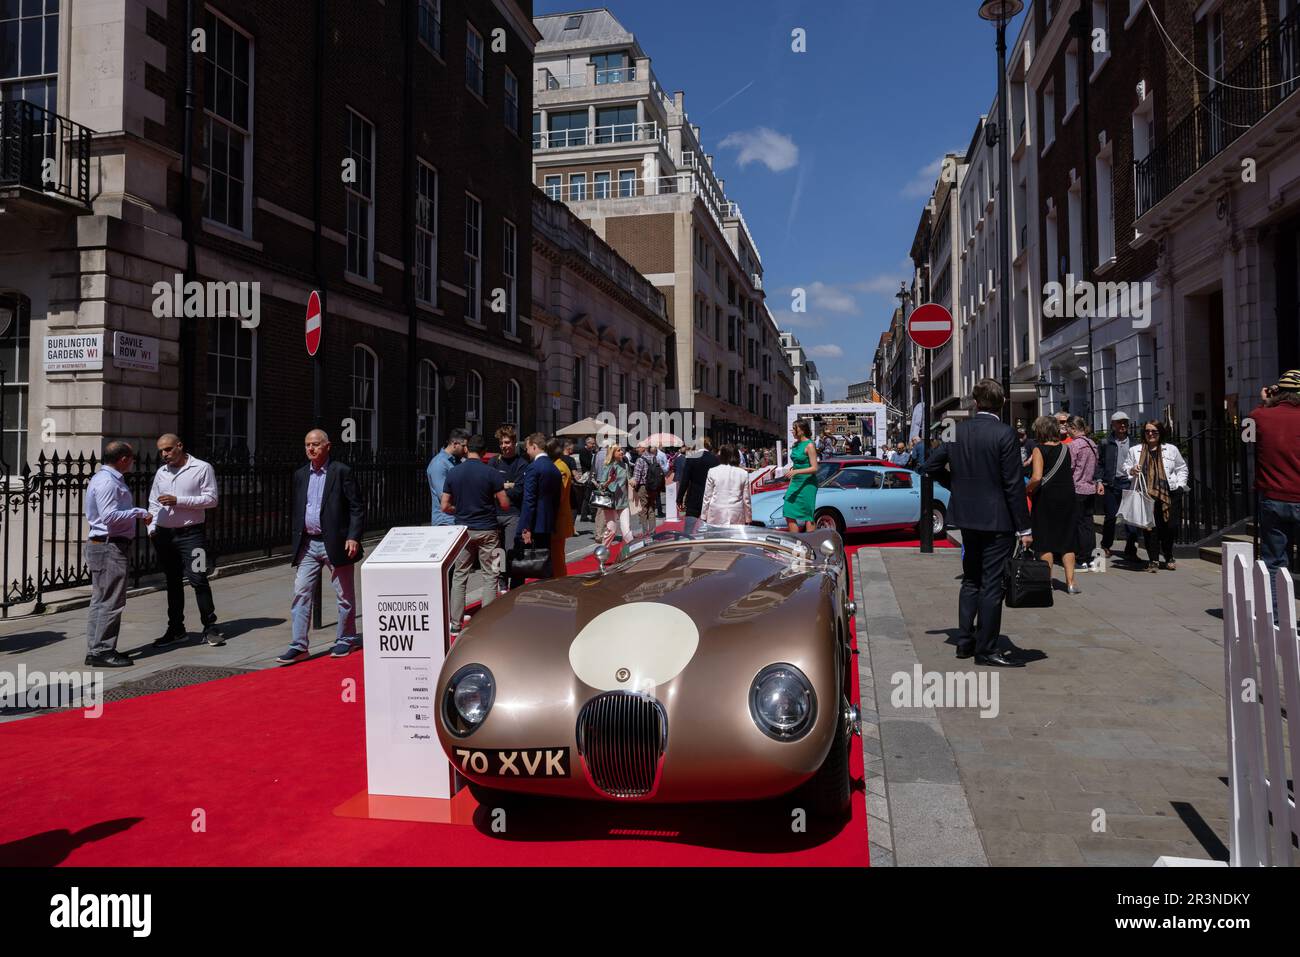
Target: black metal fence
[42,523]
[1220,483]
[1265,77]
[43,151]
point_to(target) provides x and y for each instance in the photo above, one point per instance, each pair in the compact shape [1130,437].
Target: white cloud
[922,184]
[831,298]
[774,150]
[826,352]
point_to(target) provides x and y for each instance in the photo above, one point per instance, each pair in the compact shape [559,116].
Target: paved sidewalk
[254,614]
[1110,747]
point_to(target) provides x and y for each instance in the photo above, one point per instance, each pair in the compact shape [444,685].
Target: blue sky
[831,153]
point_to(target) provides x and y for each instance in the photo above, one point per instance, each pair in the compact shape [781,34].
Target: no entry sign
[930,326]
[313,323]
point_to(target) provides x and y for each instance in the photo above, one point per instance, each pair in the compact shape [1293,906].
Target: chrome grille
[621,737]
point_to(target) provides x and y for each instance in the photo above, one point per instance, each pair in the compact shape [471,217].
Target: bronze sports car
[713,666]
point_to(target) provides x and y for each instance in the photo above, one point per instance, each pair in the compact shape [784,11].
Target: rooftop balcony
[1259,84]
[599,136]
[683,184]
[44,159]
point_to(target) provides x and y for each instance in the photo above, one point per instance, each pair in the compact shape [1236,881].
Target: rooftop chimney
[679,99]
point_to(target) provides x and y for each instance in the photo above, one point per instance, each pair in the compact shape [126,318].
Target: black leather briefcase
[529,562]
[1028,581]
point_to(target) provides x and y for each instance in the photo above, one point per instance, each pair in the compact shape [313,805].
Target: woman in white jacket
[1165,471]
[726,492]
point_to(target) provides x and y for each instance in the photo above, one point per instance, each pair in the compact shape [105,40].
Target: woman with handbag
[1160,467]
[610,497]
[1051,485]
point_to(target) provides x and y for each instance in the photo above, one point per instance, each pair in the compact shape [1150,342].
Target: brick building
[1218,205]
[374,150]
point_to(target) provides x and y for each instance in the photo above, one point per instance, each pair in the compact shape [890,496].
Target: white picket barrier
[1262,690]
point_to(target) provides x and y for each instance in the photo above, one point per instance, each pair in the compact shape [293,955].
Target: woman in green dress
[801,496]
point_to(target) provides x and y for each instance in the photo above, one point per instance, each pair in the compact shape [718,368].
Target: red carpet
[249,770]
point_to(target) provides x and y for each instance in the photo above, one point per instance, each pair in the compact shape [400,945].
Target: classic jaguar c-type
[710,666]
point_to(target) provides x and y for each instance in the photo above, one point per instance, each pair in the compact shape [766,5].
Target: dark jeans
[1115,490]
[1087,537]
[1279,527]
[979,609]
[185,557]
[1160,540]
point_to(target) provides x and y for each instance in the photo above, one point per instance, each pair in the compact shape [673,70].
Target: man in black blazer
[541,499]
[695,474]
[988,505]
[328,516]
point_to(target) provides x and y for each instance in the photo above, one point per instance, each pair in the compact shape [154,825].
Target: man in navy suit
[541,500]
[988,505]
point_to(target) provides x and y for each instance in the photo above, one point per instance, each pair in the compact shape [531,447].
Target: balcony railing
[565,81]
[620,74]
[44,152]
[1264,78]
[682,183]
[599,136]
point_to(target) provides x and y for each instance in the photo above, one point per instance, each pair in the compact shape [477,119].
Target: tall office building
[622,153]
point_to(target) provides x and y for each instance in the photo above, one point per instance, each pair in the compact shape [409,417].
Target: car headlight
[782,702]
[468,699]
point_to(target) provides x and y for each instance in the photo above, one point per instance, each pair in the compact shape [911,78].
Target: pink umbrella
[664,440]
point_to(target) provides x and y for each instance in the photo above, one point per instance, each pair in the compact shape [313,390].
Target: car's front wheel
[827,793]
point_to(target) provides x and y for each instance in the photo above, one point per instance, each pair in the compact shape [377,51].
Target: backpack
[654,475]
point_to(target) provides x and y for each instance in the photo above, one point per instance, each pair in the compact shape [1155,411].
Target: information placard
[405,587]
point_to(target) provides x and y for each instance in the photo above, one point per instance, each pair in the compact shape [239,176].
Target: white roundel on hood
[634,647]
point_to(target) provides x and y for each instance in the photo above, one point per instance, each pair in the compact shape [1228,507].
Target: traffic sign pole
[927,483]
[930,327]
[314,307]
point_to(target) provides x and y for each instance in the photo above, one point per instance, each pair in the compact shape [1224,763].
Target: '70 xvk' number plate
[535,763]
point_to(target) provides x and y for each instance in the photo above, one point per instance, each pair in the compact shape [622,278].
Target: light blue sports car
[862,498]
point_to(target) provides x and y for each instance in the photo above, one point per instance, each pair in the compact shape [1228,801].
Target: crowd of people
[1041,487]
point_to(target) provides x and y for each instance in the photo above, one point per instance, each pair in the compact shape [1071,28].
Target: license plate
[531,763]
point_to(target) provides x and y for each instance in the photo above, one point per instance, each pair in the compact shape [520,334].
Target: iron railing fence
[1220,492]
[42,519]
[43,151]
[1267,75]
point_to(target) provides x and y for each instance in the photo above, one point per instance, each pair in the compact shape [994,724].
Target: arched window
[365,398]
[512,404]
[15,348]
[474,402]
[427,435]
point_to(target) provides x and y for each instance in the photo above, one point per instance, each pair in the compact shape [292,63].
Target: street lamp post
[1003,12]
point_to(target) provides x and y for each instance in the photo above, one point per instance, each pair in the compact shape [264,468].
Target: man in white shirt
[183,491]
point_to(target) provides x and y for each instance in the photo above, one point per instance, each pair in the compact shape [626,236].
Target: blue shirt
[108,505]
[439,466]
[315,495]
